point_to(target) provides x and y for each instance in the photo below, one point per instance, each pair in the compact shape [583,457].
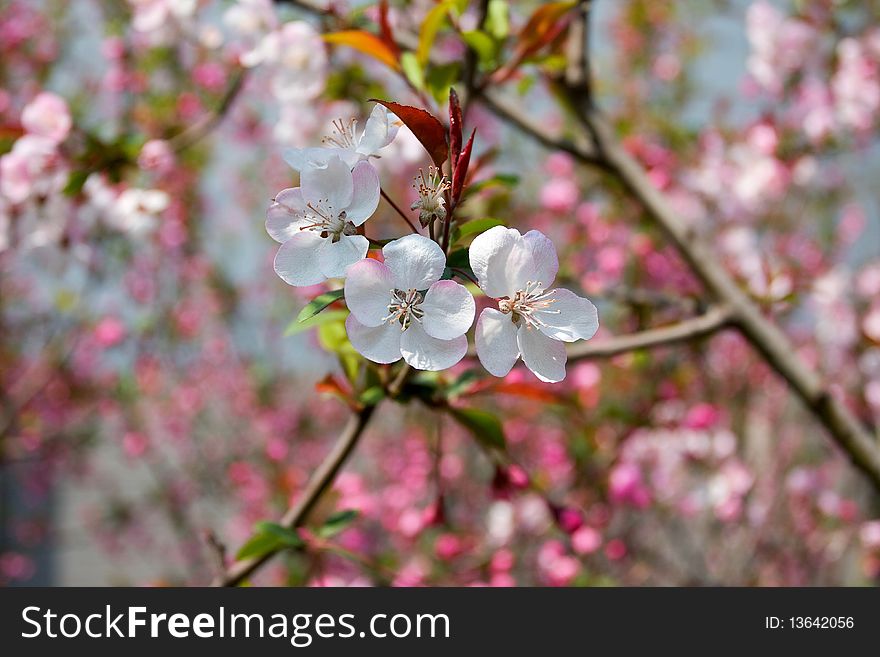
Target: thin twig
[398,210]
[203,127]
[321,480]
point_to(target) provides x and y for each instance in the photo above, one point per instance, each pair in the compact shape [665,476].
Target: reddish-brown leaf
[367,43]
[461,168]
[425,126]
[455,126]
[386,31]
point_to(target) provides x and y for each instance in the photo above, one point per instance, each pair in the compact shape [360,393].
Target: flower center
[329,223]
[404,308]
[344,135]
[431,188]
[525,303]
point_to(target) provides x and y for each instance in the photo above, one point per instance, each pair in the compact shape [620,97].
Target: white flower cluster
[402,307]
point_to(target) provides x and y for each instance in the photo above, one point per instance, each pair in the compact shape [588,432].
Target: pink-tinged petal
[545,263]
[569,317]
[336,257]
[449,310]
[545,356]
[368,286]
[287,215]
[365,195]
[380,130]
[416,261]
[497,347]
[328,184]
[502,262]
[423,352]
[297,261]
[380,344]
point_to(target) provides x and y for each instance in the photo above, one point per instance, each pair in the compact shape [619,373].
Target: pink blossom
[586,540]
[701,416]
[47,116]
[625,486]
[447,546]
[856,86]
[109,331]
[156,155]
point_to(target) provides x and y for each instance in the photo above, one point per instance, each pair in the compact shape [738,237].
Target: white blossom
[346,143]
[317,222]
[532,320]
[401,308]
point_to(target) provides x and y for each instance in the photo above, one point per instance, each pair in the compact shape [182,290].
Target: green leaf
[75,182]
[298,326]
[372,396]
[501,179]
[485,427]
[258,545]
[413,70]
[458,259]
[318,304]
[268,537]
[333,338]
[288,537]
[497,23]
[462,383]
[478,226]
[441,78]
[430,26]
[337,523]
[482,44]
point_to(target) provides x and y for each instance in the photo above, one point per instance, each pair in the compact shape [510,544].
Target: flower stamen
[344,135]
[431,202]
[404,308]
[526,302]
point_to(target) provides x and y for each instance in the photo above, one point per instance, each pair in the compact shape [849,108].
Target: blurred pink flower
[47,116]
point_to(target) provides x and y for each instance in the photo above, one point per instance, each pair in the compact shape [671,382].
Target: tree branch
[321,480]
[712,321]
[767,339]
[203,127]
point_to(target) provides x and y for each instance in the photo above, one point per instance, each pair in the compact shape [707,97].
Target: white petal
[336,257]
[570,317]
[423,352]
[544,356]
[302,158]
[545,263]
[497,347]
[297,260]
[449,310]
[286,216]
[380,344]
[417,262]
[380,130]
[495,255]
[328,184]
[368,286]
[365,194]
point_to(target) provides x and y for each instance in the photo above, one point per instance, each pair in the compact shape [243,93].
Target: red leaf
[542,26]
[527,391]
[425,126]
[455,126]
[461,168]
[331,386]
[385,29]
[367,43]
